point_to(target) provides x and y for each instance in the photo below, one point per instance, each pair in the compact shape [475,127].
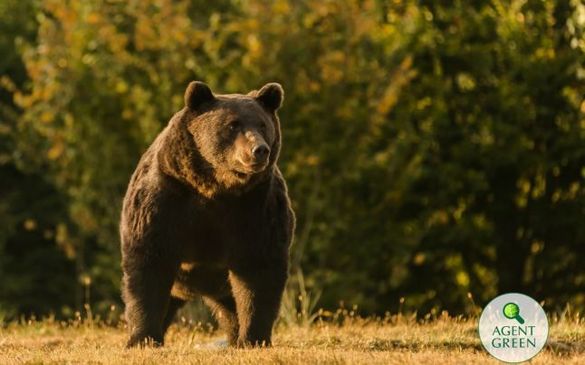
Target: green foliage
[431,150]
[30,208]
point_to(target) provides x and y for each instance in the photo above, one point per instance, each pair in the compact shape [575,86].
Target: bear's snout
[256,158]
[254,152]
[260,153]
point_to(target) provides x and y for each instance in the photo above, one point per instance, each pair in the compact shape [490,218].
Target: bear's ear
[270,96]
[197,94]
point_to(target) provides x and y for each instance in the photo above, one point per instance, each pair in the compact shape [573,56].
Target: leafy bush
[432,150]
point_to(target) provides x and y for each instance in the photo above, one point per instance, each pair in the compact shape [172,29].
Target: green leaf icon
[512,311]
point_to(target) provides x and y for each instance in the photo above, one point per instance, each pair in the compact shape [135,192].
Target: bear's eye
[234,125]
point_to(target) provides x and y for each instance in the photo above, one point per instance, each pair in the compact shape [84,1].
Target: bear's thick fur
[207,214]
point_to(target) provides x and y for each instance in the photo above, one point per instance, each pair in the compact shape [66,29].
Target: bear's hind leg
[224,310]
[212,283]
[174,305]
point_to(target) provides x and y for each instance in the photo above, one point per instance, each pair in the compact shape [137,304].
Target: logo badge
[513,327]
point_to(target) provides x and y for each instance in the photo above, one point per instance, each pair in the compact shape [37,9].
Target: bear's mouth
[250,170]
[257,167]
[246,169]
[240,175]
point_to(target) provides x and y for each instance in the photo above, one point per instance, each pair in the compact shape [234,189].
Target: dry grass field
[397,340]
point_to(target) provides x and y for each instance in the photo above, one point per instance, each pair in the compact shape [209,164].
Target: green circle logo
[513,327]
[512,311]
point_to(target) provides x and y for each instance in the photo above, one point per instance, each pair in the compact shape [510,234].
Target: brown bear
[207,214]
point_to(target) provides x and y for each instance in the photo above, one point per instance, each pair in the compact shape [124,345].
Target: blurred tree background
[434,150]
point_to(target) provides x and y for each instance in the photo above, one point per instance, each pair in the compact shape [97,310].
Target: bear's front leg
[146,292]
[258,292]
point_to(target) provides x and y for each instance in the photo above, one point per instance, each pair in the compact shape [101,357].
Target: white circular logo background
[517,334]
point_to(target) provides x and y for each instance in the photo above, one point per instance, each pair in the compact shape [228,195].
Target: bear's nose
[260,152]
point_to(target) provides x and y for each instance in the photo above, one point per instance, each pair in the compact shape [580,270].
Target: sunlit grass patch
[394,339]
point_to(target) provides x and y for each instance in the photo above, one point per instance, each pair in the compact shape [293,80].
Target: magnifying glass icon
[512,311]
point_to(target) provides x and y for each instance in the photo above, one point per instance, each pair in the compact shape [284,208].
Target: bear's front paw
[143,341]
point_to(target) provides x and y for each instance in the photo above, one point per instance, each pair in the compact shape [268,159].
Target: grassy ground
[395,341]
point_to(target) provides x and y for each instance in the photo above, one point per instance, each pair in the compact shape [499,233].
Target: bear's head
[229,141]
